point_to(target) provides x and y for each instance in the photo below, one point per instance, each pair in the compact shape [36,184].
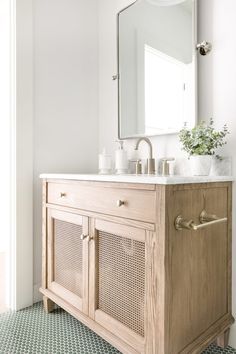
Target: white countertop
[146,179]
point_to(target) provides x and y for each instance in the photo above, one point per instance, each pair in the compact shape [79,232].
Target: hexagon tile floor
[32,331]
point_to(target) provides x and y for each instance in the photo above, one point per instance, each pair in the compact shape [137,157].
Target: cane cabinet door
[118,280]
[68,257]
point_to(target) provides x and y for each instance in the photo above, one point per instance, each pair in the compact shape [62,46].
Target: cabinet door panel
[120,276]
[68,257]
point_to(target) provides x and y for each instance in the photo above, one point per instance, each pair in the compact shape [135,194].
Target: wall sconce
[204,47]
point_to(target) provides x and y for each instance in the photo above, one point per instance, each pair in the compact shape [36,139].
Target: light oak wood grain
[155,281]
[198,265]
[93,268]
[48,304]
[72,298]
[116,185]
[209,336]
[188,273]
[192,186]
[229,245]
[123,332]
[118,220]
[85,256]
[223,339]
[44,235]
[130,232]
[138,204]
[80,302]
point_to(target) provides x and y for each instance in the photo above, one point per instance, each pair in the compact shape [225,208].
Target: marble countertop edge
[142,179]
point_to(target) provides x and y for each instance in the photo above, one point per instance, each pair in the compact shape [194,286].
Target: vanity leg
[48,304]
[223,340]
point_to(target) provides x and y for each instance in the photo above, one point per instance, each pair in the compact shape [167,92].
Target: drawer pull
[119,203]
[62,195]
[205,219]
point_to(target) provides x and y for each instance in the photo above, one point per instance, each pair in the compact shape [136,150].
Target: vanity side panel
[199,266]
[155,283]
[230,209]
[44,234]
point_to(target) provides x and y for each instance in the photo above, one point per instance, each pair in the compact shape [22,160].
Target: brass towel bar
[206,220]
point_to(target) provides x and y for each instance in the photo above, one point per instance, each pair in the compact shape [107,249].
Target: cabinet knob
[62,195]
[88,237]
[83,237]
[119,203]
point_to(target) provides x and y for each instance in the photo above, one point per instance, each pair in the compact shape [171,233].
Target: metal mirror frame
[117,76]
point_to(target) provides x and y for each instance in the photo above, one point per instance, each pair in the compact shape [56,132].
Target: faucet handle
[138,166]
[165,170]
[151,166]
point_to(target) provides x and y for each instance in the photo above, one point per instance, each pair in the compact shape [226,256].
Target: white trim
[21,243]
[5,146]
[11,259]
[37,295]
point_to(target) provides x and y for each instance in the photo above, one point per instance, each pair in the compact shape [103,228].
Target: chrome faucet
[150,160]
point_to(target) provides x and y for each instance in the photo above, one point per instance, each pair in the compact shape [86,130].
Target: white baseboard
[37,295]
[232,338]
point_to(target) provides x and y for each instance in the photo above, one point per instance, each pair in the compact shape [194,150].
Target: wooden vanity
[125,259]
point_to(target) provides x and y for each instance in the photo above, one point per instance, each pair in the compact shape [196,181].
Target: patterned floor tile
[32,331]
[216,350]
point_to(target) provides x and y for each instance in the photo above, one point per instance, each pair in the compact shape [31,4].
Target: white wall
[217,85]
[65,95]
[220,90]
[5,120]
[22,154]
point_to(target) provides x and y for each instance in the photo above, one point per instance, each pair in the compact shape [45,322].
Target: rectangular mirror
[157,63]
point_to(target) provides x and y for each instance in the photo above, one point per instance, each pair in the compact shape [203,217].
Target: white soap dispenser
[121,159]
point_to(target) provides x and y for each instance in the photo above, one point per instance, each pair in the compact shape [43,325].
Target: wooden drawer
[138,204]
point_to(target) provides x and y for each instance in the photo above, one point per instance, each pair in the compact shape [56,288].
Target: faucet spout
[150,160]
[149,144]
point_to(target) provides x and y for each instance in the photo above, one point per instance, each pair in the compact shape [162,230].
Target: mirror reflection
[157,67]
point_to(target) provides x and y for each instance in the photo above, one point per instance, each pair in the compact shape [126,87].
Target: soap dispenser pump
[121,159]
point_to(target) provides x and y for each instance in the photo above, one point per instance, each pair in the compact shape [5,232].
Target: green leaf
[203,139]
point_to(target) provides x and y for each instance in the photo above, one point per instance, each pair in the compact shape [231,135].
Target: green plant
[203,139]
